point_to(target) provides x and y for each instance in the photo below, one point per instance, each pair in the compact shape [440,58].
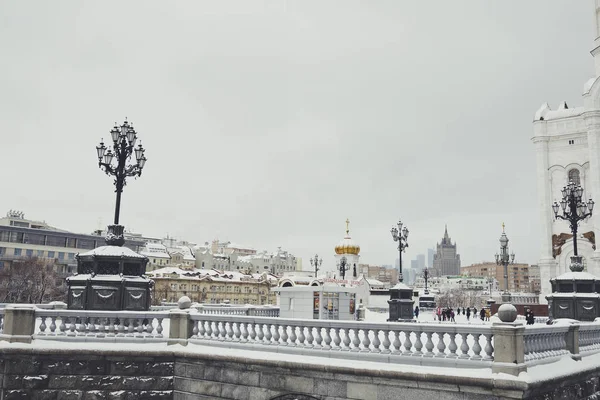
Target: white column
[547,263]
[592,120]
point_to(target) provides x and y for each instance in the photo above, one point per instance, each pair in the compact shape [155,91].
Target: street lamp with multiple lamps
[574,210]
[400,235]
[316,263]
[505,259]
[124,138]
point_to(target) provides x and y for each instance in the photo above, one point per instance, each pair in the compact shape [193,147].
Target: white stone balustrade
[444,345]
[425,344]
[100,325]
[589,338]
[544,344]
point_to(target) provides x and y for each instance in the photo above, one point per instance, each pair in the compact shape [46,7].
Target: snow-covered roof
[567,276]
[212,274]
[563,111]
[114,251]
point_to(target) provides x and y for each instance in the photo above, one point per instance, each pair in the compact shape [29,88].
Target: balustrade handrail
[100,314]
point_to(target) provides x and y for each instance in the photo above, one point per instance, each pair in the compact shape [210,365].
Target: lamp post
[573,211]
[400,235]
[426,276]
[505,259]
[316,263]
[124,138]
[344,266]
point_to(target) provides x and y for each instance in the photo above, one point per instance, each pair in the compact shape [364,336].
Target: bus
[427,302]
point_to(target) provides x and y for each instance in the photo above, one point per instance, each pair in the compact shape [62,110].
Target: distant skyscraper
[414,264]
[421,261]
[446,261]
[430,254]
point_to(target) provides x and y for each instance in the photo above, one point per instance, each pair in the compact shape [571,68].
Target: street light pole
[426,275]
[124,139]
[400,235]
[504,259]
[316,263]
[574,210]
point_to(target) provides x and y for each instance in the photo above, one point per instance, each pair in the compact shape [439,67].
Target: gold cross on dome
[503,227]
[347,226]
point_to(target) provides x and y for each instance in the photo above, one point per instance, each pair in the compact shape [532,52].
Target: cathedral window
[571,141]
[574,176]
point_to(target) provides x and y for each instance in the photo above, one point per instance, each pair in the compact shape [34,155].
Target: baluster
[452,346]
[396,343]
[222,330]
[489,350]
[268,334]
[236,332]
[195,330]
[347,341]
[337,339]
[284,335]
[251,332]
[52,325]
[260,334]
[376,341]
[276,335]
[355,340]
[418,344]
[386,342]
[63,327]
[327,338]
[201,329]
[301,337]
[121,327]
[366,342]
[72,326]
[129,322]
[159,327]
[101,328]
[139,331]
[318,338]
[476,347]
[407,344]
[441,346]
[293,336]
[209,330]
[309,337]
[464,346]
[42,326]
[84,326]
[429,345]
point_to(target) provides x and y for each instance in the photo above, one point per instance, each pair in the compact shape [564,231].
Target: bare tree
[31,280]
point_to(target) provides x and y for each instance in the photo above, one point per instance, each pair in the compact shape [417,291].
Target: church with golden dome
[346,251]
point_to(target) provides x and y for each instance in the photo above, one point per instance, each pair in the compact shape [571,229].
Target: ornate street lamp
[573,211]
[316,263]
[124,138]
[400,235]
[504,259]
[426,276]
[344,266]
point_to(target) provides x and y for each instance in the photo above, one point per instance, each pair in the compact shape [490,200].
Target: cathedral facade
[567,147]
[446,261]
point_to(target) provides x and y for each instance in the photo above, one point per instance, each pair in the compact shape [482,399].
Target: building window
[571,141]
[61,256]
[18,252]
[29,253]
[50,254]
[71,256]
[574,176]
[40,253]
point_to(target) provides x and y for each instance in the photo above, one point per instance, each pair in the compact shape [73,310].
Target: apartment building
[213,287]
[520,278]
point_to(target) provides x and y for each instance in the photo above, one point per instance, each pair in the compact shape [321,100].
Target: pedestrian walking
[482,314]
[468,313]
[417,312]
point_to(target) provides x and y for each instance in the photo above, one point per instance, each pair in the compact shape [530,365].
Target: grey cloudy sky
[270,123]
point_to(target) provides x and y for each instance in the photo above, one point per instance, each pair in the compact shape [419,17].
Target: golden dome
[347,245]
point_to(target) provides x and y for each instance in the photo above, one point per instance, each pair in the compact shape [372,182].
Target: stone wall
[63,376]
[180,375]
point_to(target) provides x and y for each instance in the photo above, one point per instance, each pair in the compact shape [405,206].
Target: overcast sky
[270,123]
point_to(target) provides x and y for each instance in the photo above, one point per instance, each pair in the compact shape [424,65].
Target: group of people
[529,317]
[448,314]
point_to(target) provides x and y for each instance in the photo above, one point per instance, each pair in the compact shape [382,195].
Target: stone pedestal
[509,351]
[401,303]
[575,294]
[110,278]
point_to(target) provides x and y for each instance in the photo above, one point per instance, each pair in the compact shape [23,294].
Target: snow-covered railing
[100,325]
[425,344]
[260,311]
[589,338]
[544,344]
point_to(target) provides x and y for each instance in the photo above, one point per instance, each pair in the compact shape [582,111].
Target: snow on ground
[427,317]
